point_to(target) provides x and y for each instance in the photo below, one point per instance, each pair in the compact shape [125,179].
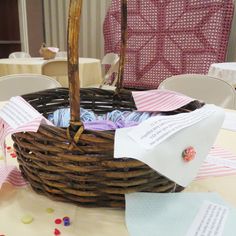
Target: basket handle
[73,57]
[122,45]
[76,127]
[75,8]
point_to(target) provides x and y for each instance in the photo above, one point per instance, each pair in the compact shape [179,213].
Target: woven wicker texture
[77,165]
[88,174]
[169,37]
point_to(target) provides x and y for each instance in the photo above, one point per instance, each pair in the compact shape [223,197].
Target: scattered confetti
[13,155]
[58,221]
[27,219]
[57,232]
[50,210]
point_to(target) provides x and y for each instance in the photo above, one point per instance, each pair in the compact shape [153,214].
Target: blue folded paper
[170,214]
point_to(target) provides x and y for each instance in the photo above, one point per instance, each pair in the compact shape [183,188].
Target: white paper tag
[209,221]
[18,112]
[157,129]
[221,162]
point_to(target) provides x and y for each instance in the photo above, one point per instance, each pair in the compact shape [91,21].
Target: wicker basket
[46,53]
[77,165]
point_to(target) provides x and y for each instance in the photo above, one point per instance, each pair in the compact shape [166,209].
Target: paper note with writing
[210,220]
[229,121]
[172,214]
[166,157]
[219,162]
[18,112]
[156,129]
[19,116]
[159,100]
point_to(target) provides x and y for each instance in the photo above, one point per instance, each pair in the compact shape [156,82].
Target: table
[14,203]
[225,71]
[89,68]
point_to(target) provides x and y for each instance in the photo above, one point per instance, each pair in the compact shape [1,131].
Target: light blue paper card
[170,214]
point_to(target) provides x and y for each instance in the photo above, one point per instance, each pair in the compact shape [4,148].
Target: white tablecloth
[89,68]
[225,71]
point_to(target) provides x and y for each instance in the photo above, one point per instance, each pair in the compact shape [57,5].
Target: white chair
[202,87]
[111,59]
[19,55]
[58,69]
[20,84]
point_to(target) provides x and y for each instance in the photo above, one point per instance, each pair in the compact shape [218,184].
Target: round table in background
[225,71]
[89,68]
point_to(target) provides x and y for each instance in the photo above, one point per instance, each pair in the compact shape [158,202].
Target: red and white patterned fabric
[10,174]
[169,37]
[221,169]
[159,100]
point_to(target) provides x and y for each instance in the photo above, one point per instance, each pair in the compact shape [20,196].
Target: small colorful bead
[9,149]
[27,219]
[57,232]
[13,155]
[66,221]
[189,154]
[58,221]
[49,210]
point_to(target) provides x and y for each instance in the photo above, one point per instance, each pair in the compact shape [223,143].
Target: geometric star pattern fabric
[169,37]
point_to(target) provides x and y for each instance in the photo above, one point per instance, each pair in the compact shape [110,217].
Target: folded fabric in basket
[109,121]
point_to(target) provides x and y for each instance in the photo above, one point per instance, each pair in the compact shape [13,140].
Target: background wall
[35,23]
[91,35]
[232,40]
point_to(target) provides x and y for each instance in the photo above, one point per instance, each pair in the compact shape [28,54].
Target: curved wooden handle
[123,44]
[73,57]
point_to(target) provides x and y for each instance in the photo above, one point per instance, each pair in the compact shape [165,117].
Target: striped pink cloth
[209,169]
[10,174]
[7,129]
[159,100]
